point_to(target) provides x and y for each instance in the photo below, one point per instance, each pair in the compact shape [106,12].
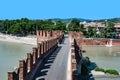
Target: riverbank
[99,74]
[105,57]
[32,40]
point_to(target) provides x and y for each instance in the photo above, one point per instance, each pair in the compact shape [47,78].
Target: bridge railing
[76,39]
[45,46]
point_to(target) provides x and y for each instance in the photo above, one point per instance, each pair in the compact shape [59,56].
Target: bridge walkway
[55,67]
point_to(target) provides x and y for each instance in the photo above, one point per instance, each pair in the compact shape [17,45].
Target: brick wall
[76,39]
[47,41]
[104,42]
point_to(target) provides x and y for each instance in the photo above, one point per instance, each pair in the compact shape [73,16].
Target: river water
[105,57]
[10,54]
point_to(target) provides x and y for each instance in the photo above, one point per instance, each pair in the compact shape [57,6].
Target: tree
[15,29]
[1,26]
[91,32]
[108,31]
[60,25]
[74,25]
[25,26]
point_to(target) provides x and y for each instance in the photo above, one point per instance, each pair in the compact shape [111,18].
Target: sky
[45,9]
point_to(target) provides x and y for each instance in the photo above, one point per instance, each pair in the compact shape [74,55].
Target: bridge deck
[55,67]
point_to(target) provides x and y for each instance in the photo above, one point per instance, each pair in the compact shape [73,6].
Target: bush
[99,69]
[111,71]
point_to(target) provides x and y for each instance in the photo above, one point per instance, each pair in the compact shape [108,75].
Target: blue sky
[44,9]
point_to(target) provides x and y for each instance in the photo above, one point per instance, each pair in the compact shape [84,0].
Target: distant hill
[111,20]
[81,19]
[87,20]
[69,19]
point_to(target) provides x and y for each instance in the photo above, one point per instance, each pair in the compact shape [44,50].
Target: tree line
[25,26]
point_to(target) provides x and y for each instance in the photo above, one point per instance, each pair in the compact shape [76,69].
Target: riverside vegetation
[109,71]
[25,26]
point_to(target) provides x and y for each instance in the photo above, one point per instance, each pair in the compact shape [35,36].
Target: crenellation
[39,50]
[42,48]
[22,70]
[76,39]
[45,47]
[35,55]
[29,62]
[46,43]
[12,76]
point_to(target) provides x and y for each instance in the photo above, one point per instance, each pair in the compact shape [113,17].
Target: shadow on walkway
[44,68]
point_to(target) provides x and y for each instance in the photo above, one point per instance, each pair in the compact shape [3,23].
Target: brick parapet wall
[76,39]
[104,42]
[47,41]
[46,35]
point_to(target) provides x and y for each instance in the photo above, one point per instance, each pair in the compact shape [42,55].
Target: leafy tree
[15,29]
[74,25]
[91,32]
[60,25]
[1,26]
[108,31]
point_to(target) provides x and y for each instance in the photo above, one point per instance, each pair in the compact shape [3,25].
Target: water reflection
[114,53]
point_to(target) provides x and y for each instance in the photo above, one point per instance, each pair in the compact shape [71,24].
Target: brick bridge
[55,57]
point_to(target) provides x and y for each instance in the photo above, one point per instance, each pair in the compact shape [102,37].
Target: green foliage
[115,20]
[75,25]
[91,32]
[99,69]
[111,71]
[25,26]
[60,25]
[108,31]
[15,29]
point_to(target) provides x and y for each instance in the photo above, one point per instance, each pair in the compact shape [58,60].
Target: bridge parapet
[43,35]
[76,39]
[47,41]
[101,41]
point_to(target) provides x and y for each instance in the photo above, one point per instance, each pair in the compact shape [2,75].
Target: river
[10,54]
[105,57]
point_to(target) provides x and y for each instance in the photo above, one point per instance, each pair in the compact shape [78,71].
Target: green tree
[60,25]
[24,26]
[91,32]
[1,26]
[74,25]
[15,29]
[108,31]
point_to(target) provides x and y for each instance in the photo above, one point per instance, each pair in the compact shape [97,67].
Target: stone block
[12,76]
[73,64]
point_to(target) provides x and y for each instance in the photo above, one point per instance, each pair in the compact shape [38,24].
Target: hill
[69,19]
[115,20]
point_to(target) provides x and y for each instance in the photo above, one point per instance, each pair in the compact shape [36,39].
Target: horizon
[93,10]
[61,18]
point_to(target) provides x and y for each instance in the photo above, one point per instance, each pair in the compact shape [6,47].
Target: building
[100,25]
